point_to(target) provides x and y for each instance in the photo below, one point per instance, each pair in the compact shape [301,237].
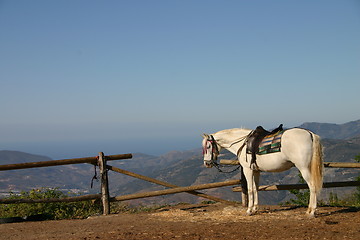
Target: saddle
[255,139]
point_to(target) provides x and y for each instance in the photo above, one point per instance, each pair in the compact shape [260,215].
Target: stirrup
[254,167]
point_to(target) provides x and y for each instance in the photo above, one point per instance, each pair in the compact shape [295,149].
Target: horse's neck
[232,139]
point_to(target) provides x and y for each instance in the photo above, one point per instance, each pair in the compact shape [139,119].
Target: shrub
[357,192]
[58,210]
[303,196]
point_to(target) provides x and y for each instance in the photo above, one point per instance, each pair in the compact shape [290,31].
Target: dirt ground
[215,221]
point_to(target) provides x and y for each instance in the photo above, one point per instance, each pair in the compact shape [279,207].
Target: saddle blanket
[271,143]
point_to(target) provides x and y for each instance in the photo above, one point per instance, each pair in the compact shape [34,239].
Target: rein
[219,166]
[94,177]
[239,140]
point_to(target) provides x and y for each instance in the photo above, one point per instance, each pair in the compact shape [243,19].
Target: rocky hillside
[69,177]
[76,178]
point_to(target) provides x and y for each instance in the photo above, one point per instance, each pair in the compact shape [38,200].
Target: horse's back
[297,137]
[297,144]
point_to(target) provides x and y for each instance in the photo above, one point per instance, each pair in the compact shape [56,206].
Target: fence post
[104,184]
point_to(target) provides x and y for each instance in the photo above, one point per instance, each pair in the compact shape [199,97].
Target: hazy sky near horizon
[151,76]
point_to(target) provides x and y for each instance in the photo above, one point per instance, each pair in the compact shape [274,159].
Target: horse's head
[210,150]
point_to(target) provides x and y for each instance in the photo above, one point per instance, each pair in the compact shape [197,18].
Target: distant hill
[68,177]
[334,131]
[12,157]
[76,177]
[341,143]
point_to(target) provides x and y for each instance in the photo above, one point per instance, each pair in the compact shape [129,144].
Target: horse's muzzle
[208,164]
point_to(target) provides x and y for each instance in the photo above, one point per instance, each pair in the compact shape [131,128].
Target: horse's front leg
[255,190]
[251,190]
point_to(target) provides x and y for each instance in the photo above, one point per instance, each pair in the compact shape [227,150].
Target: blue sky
[79,77]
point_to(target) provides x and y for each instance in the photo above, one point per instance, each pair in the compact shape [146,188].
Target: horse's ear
[205,135]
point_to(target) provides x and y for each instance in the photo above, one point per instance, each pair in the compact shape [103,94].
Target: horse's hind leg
[312,201]
[305,172]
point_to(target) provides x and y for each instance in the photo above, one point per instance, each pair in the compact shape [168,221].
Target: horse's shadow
[338,211]
[320,212]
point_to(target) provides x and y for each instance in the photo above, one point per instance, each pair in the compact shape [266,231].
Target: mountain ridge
[334,131]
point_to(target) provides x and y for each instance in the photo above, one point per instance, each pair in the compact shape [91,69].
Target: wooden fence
[101,162]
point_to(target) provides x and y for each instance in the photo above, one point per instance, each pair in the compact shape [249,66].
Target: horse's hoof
[310,215]
[249,213]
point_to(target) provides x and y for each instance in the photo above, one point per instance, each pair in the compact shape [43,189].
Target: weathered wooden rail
[301,186]
[326,164]
[92,160]
[176,190]
[165,184]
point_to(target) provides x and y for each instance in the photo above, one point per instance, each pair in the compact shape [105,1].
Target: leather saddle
[255,139]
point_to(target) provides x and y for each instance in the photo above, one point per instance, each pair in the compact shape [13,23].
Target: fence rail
[176,190]
[165,184]
[93,160]
[326,164]
[301,186]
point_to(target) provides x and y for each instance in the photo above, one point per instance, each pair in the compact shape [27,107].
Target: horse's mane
[232,131]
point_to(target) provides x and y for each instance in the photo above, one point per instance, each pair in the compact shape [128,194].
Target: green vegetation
[357,193]
[352,200]
[57,210]
[62,210]
[302,196]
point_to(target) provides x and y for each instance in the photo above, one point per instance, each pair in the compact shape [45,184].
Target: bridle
[214,155]
[215,152]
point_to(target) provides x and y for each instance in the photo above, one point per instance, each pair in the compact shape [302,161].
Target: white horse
[299,147]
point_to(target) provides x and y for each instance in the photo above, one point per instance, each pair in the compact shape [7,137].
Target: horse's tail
[317,165]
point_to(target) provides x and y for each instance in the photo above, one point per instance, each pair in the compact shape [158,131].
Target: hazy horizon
[87,148]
